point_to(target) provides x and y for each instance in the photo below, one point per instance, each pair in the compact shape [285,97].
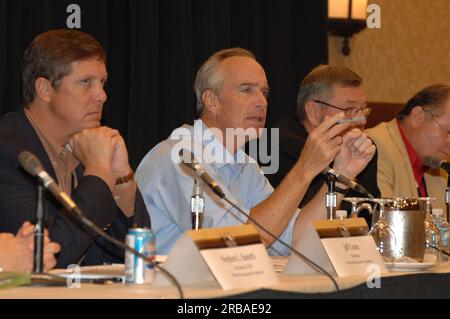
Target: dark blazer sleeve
[103,251]
[93,196]
[17,203]
[95,200]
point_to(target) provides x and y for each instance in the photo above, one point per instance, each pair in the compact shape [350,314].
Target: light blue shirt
[166,186]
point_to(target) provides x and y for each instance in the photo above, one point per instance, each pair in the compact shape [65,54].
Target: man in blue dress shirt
[232,91]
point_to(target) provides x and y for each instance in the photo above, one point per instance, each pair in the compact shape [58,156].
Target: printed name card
[241,267]
[235,256]
[350,255]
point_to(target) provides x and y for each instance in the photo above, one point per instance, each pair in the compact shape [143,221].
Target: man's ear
[210,101]
[417,116]
[44,89]
[313,113]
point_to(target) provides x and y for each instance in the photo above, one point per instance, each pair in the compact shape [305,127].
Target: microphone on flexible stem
[188,159]
[33,166]
[434,162]
[39,216]
[197,204]
[347,182]
[331,197]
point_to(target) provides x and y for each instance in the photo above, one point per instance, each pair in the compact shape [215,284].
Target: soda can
[137,270]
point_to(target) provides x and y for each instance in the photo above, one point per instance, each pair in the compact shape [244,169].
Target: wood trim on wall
[382,112]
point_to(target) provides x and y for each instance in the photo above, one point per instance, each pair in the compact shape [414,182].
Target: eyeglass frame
[447,132]
[353,110]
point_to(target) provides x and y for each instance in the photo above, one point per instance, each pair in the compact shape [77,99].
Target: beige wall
[409,52]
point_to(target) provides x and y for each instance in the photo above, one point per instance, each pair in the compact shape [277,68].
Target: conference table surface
[429,283]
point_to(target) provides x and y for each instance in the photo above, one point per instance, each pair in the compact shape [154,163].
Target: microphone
[33,166]
[348,182]
[193,164]
[197,167]
[197,204]
[39,216]
[434,162]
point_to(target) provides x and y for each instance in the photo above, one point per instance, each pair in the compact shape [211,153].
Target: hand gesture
[119,164]
[322,145]
[94,148]
[25,235]
[355,153]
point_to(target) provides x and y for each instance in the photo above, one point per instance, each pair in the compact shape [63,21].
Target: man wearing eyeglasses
[326,91]
[420,129]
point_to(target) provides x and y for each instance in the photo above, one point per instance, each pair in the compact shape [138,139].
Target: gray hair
[318,83]
[208,76]
[431,99]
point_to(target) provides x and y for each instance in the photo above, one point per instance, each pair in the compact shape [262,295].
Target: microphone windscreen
[187,159]
[432,162]
[30,163]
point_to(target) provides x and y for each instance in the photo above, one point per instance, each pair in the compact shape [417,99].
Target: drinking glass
[433,240]
[355,208]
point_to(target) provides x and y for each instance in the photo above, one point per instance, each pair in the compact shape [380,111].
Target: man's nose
[262,100]
[100,95]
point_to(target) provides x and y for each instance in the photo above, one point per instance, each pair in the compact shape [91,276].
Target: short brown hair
[51,54]
[209,77]
[430,99]
[318,83]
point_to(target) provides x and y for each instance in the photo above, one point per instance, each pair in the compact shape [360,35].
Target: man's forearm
[277,210]
[314,210]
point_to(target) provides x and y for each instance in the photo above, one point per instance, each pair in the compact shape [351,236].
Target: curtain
[155,48]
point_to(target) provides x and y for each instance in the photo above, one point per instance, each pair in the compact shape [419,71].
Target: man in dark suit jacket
[63,76]
[325,91]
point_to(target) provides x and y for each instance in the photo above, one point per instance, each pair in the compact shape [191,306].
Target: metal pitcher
[406,217]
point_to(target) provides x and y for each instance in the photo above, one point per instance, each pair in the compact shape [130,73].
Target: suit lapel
[34,144]
[395,134]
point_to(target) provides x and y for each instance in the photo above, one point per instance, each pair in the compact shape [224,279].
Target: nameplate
[241,267]
[232,257]
[235,256]
[350,253]
[351,256]
[341,227]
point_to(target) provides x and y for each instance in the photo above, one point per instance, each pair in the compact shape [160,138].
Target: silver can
[137,270]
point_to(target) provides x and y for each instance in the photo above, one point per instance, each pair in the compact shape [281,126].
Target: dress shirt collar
[212,145]
[51,146]
[61,157]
